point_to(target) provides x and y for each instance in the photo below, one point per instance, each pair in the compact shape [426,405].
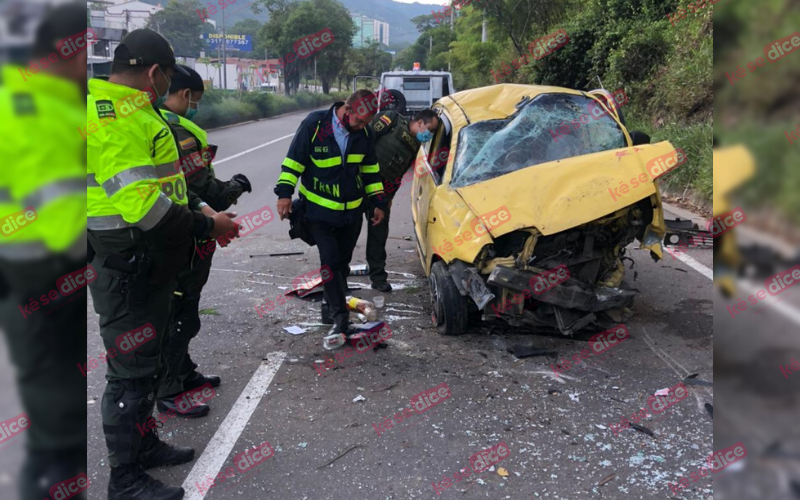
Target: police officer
[141,231]
[333,153]
[196,155]
[397,141]
[42,107]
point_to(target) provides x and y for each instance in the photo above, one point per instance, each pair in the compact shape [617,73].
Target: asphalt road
[324,441]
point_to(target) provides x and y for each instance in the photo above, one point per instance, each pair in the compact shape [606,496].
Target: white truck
[412,91]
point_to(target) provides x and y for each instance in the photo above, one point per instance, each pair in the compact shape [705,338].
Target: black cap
[191,80]
[60,22]
[145,48]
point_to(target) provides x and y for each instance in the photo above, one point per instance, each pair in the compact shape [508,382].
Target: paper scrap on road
[295,330]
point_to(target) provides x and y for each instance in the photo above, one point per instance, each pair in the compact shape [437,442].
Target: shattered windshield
[552,127]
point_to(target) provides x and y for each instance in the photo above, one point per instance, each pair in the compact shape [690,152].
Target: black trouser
[134,376]
[46,349]
[336,245]
[376,244]
[185,324]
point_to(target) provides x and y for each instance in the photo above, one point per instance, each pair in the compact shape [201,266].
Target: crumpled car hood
[560,195]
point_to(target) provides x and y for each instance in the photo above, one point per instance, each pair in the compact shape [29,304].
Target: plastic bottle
[362,306]
[335,341]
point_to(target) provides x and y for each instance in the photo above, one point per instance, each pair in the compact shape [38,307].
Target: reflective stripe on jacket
[134,176]
[334,189]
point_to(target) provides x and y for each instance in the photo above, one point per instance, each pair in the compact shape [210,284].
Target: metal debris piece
[607,479]
[521,351]
[340,456]
[285,254]
[643,429]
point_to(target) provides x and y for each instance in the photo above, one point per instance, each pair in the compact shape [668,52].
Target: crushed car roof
[496,101]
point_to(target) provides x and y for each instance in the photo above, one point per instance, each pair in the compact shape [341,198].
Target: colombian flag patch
[187,143]
[385,119]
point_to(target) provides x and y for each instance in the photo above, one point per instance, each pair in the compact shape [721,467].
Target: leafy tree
[250,27]
[290,22]
[181,25]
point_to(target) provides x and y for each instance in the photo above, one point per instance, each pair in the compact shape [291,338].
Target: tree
[180,24]
[292,22]
[516,19]
[252,28]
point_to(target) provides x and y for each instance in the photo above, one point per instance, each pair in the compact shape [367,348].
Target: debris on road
[339,456]
[285,254]
[643,429]
[502,472]
[710,410]
[295,330]
[359,270]
[359,398]
[521,351]
[607,479]
[693,380]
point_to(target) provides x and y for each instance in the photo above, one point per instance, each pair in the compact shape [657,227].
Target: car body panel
[577,189]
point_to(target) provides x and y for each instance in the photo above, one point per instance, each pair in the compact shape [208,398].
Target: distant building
[111,20]
[368,30]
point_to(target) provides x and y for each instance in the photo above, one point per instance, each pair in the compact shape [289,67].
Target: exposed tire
[450,310]
[398,102]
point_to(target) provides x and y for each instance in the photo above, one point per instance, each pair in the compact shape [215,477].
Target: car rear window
[551,127]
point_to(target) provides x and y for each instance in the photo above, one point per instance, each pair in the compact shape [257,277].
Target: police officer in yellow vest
[43,225]
[196,155]
[141,228]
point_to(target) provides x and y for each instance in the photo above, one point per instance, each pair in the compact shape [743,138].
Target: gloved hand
[241,179]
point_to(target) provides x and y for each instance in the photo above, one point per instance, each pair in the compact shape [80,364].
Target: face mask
[191,111]
[424,136]
[160,99]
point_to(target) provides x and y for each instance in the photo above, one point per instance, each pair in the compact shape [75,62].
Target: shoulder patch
[23,104]
[385,119]
[105,109]
[187,143]
[172,118]
[379,126]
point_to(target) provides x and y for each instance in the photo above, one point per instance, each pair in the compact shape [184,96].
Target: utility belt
[135,274]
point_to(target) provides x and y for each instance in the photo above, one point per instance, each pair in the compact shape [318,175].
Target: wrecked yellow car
[522,180]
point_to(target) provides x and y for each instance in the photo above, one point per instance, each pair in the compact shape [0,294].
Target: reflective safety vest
[196,164]
[42,201]
[333,186]
[134,170]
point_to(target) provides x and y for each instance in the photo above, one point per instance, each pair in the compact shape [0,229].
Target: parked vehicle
[515,198]
[412,91]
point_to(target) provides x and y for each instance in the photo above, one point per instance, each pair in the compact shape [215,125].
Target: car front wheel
[450,312]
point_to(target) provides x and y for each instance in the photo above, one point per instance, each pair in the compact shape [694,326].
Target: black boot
[130,482]
[327,319]
[196,411]
[43,469]
[198,379]
[157,453]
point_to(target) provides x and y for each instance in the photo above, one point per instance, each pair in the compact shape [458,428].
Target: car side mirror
[639,138]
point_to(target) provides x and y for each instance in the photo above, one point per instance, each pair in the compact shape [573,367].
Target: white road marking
[689,261]
[213,458]
[237,155]
[788,311]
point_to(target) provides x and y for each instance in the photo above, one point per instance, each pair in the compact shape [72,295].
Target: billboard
[232,42]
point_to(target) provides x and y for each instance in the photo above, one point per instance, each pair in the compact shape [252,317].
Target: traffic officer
[43,224]
[334,154]
[196,155]
[141,232]
[397,142]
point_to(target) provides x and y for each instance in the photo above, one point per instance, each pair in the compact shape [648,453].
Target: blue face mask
[161,99]
[191,111]
[424,136]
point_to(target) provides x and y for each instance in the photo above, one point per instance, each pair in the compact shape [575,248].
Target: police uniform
[334,185]
[196,156]
[141,230]
[396,148]
[44,174]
